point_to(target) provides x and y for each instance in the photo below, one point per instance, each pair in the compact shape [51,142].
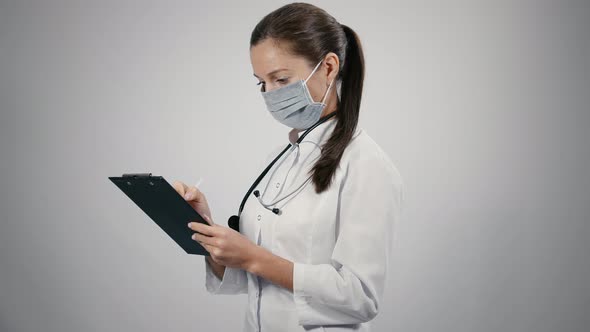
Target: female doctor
[315,231]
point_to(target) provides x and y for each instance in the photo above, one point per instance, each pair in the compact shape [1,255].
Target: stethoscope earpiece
[276,211]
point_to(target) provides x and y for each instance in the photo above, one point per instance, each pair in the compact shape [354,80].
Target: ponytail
[352,77]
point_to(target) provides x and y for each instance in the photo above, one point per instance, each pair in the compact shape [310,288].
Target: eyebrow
[272,72]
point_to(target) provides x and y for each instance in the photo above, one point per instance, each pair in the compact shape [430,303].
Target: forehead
[270,54]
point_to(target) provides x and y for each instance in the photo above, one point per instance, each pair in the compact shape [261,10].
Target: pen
[199,183]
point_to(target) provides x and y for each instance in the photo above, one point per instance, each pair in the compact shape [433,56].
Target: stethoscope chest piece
[234,223]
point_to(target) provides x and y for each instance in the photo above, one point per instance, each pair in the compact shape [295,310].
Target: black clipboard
[160,201]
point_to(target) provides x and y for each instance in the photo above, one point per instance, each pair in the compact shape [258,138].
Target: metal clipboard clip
[137,175]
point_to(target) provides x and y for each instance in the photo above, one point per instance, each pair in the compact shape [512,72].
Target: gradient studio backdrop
[483,106]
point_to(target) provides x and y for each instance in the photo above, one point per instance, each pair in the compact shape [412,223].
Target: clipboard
[160,201]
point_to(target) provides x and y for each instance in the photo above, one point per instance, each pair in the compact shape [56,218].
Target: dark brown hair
[311,32]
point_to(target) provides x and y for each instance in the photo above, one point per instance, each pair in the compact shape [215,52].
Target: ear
[332,65]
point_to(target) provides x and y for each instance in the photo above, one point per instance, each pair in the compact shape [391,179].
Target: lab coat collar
[317,135]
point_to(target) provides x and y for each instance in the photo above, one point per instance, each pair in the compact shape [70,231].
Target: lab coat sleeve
[234,281]
[348,289]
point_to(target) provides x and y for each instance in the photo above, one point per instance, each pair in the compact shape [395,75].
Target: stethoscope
[234,221]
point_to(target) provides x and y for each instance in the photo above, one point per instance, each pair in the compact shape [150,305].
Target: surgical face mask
[292,104]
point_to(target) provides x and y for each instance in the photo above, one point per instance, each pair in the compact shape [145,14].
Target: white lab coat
[339,241]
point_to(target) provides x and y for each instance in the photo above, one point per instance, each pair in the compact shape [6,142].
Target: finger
[203,239]
[215,255]
[180,187]
[207,247]
[202,228]
[194,226]
[193,194]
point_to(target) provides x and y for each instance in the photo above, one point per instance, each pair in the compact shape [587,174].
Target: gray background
[483,107]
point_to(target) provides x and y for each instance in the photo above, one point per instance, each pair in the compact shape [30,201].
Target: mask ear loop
[313,71]
[329,86]
[326,94]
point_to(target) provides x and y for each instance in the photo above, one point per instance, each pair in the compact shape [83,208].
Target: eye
[282,80]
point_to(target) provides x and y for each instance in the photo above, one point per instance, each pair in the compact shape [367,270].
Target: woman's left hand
[226,246]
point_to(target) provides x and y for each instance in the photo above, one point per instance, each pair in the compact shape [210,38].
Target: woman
[315,235]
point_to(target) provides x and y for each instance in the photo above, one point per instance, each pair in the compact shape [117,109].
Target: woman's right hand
[194,197]
[199,202]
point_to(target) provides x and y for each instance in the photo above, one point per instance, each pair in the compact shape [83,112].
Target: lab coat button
[278,184]
[259,217]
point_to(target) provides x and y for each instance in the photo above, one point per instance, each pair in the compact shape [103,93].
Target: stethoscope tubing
[267,169]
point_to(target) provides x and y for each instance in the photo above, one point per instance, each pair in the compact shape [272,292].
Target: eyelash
[280,80]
